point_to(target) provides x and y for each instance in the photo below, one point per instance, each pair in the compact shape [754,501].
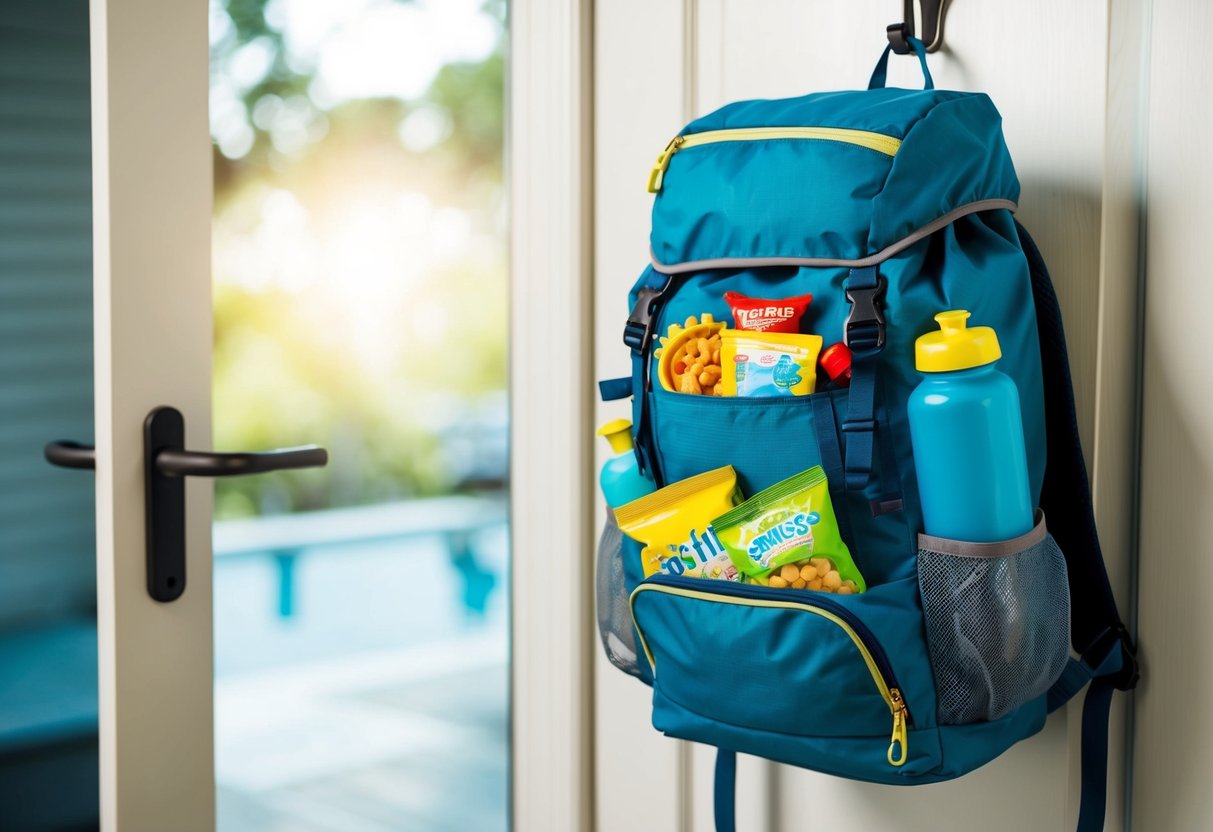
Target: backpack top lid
[829,179]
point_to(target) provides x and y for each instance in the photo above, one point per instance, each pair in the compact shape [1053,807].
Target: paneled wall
[1065,77]
[1173,763]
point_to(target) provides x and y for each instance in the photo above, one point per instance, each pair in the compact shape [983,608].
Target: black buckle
[897,34]
[638,331]
[865,314]
[1102,647]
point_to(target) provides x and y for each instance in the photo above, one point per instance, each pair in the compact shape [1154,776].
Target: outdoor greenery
[360,273]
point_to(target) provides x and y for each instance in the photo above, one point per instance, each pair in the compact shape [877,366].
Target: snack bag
[674,524]
[768,363]
[790,525]
[761,315]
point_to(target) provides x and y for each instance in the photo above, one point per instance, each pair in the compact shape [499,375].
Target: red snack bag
[761,315]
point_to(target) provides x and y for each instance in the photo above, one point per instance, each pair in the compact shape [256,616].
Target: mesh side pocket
[614,613]
[998,622]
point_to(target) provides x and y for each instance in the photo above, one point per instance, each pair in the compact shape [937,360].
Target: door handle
[166,463]
[70,454]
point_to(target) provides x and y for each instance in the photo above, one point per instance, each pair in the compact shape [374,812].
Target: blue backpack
[888,205]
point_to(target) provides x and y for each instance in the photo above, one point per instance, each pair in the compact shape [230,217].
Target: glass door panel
[360,288]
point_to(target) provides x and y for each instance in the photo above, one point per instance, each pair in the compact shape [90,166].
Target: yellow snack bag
[674,524]
[768,363]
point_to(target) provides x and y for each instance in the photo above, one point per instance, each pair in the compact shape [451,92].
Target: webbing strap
[638,336]
[614,389]
[831,461]
[864,334]
[1096,710]
[724,791]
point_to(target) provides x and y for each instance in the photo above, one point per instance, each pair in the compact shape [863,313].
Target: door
[1068,111]
[153,329]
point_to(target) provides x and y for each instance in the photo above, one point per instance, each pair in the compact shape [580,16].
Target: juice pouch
[791,524]
[768,363]
[674,524]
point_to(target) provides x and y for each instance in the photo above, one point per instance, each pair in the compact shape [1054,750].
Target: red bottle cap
[836,361]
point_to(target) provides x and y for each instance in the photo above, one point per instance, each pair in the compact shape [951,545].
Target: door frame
[549,152]
[152,193]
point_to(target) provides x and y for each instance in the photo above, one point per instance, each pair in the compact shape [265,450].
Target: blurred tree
[288,368]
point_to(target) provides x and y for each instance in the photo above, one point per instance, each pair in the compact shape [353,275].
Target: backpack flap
[830,179]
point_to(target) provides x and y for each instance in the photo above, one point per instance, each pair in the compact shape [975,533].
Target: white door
[1064,77]
[152,219]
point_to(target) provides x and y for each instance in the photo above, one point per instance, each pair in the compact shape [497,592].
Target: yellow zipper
[863,138]
[891,696]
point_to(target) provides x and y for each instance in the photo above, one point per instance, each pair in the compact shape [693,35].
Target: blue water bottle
[967,432]
[620,478]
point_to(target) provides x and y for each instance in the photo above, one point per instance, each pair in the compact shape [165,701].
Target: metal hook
[931,18]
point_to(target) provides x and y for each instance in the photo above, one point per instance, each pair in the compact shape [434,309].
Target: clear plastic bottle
[967,431]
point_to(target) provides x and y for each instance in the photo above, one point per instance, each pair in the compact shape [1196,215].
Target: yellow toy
[688,360]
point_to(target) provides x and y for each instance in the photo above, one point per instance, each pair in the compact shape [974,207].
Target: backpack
[888,205]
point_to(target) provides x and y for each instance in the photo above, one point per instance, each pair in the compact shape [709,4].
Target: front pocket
[998,621]
[765,439]
[791,662]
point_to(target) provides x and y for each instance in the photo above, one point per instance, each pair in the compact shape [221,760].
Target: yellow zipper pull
[900,732]
[663,162]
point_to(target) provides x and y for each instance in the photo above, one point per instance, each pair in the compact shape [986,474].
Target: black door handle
[166,463]
[198,463]
[70,454]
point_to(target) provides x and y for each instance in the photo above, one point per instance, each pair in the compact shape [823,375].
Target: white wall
[1174,758]
[1069,120]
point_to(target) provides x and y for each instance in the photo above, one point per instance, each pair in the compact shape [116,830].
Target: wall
[1069,116]
[1173,762]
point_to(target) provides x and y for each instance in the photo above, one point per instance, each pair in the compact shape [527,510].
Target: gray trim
[871,260]
[1002,548]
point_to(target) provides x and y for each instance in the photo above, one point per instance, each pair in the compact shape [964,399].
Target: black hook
[931,17]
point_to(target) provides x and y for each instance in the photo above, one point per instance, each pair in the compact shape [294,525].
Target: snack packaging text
[674,524]
[762,315]
[768,363]
[790,525]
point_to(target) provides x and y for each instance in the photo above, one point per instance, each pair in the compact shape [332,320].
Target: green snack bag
[788,527]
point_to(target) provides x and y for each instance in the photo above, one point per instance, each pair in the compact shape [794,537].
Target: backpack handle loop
[881,72]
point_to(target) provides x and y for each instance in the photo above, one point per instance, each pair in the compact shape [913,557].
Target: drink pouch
[768,363]
[790,525]
[762,315]
[674,524]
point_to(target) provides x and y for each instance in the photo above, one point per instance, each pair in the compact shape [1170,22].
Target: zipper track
[879,142]
[868,644]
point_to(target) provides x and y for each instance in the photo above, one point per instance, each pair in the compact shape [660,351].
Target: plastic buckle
[1130,671]
[865,313]
[898,34]
[638,331]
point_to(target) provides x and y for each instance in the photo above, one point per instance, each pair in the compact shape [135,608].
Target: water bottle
[967,432]
[621,479]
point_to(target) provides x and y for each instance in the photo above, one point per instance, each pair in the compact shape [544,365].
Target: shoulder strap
[1108,654]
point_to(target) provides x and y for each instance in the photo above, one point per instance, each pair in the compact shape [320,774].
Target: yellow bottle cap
[619,433]
[956,346]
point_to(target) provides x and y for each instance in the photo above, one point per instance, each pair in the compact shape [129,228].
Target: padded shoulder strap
[1066,496]
[1108,654]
